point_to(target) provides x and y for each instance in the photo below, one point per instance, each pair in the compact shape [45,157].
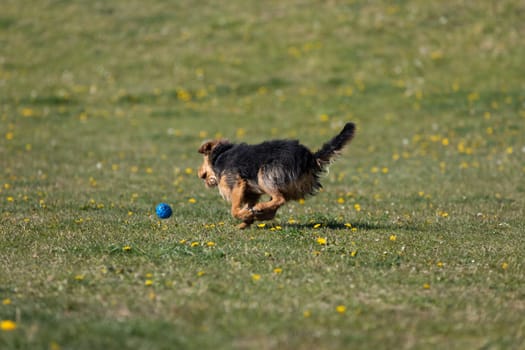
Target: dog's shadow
[337,225]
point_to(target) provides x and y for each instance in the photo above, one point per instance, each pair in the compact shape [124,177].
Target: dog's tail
[335,145]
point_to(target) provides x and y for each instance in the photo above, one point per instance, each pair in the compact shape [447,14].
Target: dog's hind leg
[267,210]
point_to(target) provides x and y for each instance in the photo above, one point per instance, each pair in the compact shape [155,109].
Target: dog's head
[206,170]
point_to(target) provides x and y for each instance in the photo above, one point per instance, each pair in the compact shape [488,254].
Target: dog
[283,169]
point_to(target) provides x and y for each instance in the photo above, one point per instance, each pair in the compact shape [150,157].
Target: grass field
[416,242]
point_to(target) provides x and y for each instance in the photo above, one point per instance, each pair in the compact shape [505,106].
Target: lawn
[415,242]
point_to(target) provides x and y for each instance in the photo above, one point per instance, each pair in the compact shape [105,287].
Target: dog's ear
[207,146]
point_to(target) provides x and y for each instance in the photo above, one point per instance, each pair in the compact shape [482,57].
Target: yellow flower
[505,265]
[27,112]
[201,273]
[349,225]
[426,286]
[263,225]
[7,325]
[317,225]
[6,301]
[195,244]
[439,264]
[79,277]
[307,313]
[436,55]
[210,244]
[340,309]
[188,171]
[321,240]
[148,283]
[324,117]
[256,276]
[192,200]
[126,248]
[340,200]
[353,253]
[473,96]
[277,270]
[357,207]
[393,238]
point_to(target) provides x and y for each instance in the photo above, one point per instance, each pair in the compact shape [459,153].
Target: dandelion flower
[256,276]
[7,325]
[277,270]
[210,244]
[340,309]
[307,313]
[262,225]
[201,273]
[321,240]
[195,244]
[192,200]
[317,225]
[426,286]
[126,248]
[148,283]
[505,265]
[6,301]
[393,238]
[357,207]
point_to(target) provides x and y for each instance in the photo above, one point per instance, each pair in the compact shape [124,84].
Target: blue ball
[163,211]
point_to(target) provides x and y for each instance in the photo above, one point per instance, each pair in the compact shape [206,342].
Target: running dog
[283,169]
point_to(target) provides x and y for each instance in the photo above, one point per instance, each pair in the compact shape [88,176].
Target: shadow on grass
[340,225]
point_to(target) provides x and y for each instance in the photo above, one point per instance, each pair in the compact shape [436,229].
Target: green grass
[104,104]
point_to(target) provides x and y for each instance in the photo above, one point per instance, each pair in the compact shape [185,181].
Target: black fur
[332,147]
[289,155]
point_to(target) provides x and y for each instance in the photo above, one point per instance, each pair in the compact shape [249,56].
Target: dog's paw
[246,214]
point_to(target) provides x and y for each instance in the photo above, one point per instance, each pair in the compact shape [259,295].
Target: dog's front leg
[238,199]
